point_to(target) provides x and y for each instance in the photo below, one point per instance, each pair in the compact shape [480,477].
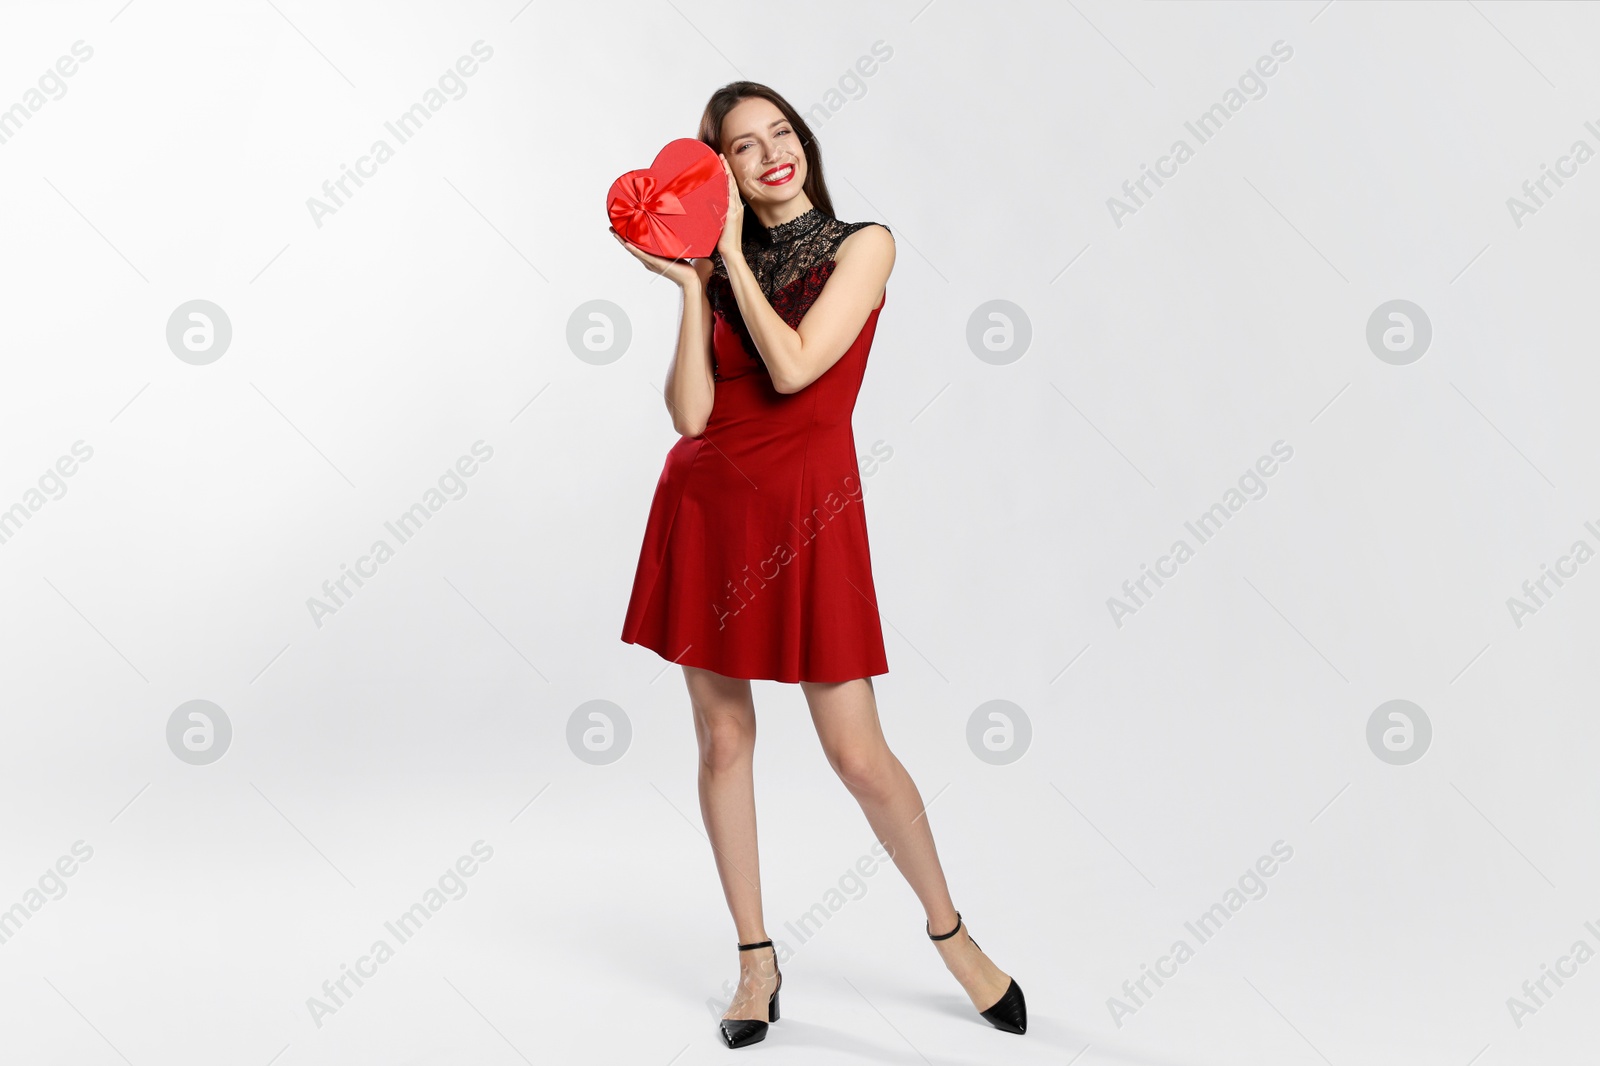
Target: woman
[755,560]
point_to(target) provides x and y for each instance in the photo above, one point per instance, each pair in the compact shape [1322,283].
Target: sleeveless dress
[755,562]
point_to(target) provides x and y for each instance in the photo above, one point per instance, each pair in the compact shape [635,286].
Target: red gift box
[676,207]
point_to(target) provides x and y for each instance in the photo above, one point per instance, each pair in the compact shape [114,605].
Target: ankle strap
[944,936]
[749,947]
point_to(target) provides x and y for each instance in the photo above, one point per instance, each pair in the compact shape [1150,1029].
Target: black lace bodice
[791,262]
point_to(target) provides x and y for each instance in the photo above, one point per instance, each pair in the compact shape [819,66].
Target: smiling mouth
[777,175]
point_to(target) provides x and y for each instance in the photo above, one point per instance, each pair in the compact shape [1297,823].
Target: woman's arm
[797,357]
[690,389]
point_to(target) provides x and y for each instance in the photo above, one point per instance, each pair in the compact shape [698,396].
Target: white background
[1167,354]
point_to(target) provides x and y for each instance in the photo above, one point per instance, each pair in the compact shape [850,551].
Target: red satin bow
[636,213]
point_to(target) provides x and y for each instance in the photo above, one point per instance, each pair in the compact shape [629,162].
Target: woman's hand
[731,243]
[680,271]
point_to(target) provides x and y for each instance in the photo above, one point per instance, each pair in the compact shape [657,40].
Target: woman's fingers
[656,263]
[633,249]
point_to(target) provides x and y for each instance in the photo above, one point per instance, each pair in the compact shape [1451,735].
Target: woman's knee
[865,769]
[726,741]
[724,717]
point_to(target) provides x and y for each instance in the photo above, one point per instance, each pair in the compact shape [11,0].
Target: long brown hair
[726,98]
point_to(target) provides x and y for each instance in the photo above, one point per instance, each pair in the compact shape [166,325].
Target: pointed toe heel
[1010,1011]
[742,1032]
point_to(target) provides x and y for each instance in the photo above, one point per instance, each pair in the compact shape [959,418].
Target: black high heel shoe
[1010,1011]
[738,1032]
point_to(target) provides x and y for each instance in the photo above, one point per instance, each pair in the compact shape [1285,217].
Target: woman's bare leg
[846,717]
[725,727]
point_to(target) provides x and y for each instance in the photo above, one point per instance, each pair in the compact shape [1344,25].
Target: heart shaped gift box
[676,207]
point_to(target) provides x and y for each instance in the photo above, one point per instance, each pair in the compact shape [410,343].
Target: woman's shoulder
[872,237]
[847,229]
[864,238]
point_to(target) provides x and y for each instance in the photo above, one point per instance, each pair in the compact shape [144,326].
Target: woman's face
[768,161]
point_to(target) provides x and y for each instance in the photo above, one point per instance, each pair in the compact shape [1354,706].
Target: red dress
[755,561]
